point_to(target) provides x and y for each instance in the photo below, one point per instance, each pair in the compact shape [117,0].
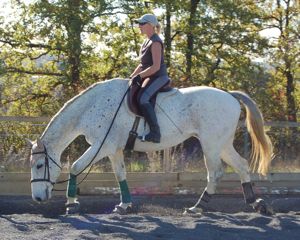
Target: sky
[270,33]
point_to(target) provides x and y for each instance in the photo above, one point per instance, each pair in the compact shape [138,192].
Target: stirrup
[150,139]
[142,138]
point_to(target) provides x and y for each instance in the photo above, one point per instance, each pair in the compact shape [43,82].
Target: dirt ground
[157,217]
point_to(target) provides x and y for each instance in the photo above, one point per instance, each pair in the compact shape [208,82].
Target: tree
[229,38]
[193,4]
[48,42]
[285,51]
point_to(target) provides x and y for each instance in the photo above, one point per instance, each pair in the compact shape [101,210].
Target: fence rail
[182,158]
[280,124]
[24,119]
[159,183]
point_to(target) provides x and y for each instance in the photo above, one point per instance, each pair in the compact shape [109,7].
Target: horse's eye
[39,166]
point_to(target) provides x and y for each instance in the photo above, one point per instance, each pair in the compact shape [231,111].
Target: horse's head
[44,171]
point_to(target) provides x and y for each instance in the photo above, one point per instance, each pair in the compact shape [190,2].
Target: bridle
[47,157]
[47,167]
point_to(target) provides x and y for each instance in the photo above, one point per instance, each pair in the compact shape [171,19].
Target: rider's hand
[136,80]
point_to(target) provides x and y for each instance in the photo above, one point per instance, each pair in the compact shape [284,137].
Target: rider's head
[148,23]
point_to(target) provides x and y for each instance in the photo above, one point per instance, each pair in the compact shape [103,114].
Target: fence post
[167,160]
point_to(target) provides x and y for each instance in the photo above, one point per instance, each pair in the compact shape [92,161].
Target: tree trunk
[210,77]
[74,29]
[290,84]
[290,90]
[1,89]
[168,39]
[190,39]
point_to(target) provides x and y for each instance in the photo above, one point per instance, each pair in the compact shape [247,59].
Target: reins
[47,157]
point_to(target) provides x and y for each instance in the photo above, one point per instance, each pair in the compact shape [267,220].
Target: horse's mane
[84,92]
[88,89]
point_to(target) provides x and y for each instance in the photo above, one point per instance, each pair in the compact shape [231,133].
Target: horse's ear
[39,143]
[29,142]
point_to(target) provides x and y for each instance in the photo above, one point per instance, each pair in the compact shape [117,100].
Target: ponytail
[158,28]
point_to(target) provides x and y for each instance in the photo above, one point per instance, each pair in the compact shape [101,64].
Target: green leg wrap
[71,192]
[125,194]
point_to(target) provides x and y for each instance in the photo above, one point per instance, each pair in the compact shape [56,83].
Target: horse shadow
[209,226]
[161,225]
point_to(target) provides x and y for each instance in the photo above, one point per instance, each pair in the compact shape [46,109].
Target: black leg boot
[150,117]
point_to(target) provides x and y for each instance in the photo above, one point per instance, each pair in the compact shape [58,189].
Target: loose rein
[47,157]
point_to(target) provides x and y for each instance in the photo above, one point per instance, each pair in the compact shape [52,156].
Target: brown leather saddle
[132,97]
[133,107]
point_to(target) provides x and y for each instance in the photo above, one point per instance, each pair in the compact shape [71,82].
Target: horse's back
[201,96]
[201,110]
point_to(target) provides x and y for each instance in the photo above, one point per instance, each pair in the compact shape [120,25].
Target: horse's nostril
[38,199]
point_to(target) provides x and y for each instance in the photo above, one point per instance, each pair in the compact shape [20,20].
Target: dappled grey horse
[100,114]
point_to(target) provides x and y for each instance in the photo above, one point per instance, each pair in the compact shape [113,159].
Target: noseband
[47,168]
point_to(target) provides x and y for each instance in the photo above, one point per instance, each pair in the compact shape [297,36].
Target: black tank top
[146,56]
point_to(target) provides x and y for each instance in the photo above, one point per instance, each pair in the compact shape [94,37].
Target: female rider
[151,74]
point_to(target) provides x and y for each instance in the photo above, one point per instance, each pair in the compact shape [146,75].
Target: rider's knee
[143,100]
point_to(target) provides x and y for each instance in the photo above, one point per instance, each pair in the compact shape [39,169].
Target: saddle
[134,108]
[132,97]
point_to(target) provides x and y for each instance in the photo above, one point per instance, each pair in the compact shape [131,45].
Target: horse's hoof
[262,207]
[123,211]
[270,210]
[193,211]
[72,208]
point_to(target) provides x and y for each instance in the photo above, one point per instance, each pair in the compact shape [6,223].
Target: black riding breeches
[152,87]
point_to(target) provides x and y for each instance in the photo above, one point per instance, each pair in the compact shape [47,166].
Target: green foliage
[54,49]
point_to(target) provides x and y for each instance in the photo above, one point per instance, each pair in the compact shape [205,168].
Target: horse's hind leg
[214,173]
[241,166]
[118,165]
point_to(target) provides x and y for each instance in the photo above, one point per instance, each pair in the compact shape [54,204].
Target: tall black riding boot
[150,117]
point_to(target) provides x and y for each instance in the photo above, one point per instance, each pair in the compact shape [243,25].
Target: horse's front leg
[78,166]
[117,161]
[72,205]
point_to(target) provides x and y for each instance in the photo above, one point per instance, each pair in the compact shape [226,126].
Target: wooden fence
[159,183]
[166,182]
[47,119]
[284,153]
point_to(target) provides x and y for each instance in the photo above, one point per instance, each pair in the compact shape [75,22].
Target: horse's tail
[262,149]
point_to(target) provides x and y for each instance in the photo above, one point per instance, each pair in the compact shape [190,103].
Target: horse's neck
[62,129]
[57,137]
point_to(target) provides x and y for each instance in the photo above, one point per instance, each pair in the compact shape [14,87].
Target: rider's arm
[156,58]
[137,70]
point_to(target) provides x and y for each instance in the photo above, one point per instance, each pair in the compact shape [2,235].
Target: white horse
[207,113]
